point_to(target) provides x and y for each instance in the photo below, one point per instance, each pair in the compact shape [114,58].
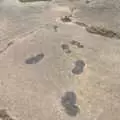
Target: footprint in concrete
[66,48]
[76,43]
[4,115]
[68,101]
[79,67]
[35,59]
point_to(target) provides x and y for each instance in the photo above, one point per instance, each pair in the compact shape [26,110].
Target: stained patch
[68,101]
[76,43]
[66,48]
[4,115]
[79,67]
[35,59]
[101,31]
[80,24]
[32,0]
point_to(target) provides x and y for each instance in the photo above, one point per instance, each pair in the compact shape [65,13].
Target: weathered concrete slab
[55,70]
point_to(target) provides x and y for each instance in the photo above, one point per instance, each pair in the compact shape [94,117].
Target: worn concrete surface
[34,90]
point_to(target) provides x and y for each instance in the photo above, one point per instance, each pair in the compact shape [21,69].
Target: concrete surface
[34,91]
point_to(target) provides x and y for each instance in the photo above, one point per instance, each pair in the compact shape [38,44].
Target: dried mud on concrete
[59,60]
[33,0]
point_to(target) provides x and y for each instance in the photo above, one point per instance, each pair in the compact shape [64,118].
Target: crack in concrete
[99,30]
[7,46]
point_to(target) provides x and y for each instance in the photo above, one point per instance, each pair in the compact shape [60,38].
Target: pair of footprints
[79,64]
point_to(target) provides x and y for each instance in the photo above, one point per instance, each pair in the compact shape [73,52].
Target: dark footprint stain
[66,48]
[81,24]
[87,1]
[4,115]
[35,59]
[79,67]
[68,101]
[99,30]
[76,43]
[66,19]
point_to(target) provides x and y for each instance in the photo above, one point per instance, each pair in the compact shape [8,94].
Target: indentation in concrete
[66,48]
[76,43]
[68,101]
[79,67]
[35,59]
[4,115]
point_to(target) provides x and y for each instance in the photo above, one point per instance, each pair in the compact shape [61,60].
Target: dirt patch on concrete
[101,31]
[66,19]
[35,59]
[32,0]
[79,67]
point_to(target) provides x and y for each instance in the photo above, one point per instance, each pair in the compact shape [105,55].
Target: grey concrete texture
[52,69]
